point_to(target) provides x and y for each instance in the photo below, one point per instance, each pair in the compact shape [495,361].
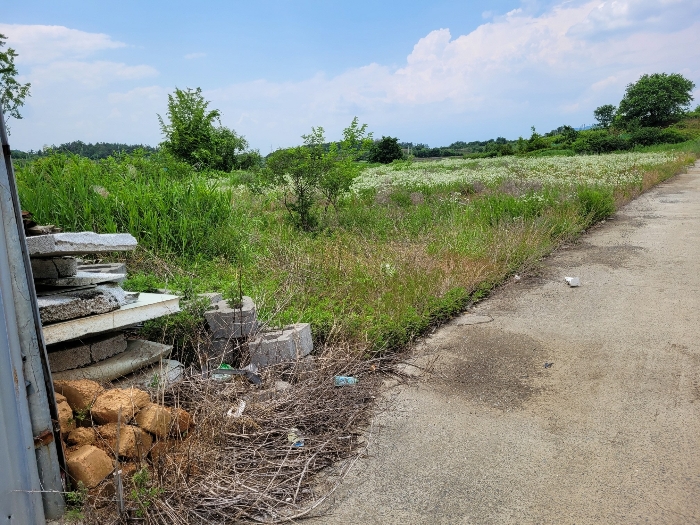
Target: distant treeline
[99,150]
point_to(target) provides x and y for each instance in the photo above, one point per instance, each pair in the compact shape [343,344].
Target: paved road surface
[610,433]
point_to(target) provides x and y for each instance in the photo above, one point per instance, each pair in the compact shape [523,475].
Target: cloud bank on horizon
[511,72]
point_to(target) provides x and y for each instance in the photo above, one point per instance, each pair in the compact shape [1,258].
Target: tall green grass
[379,270]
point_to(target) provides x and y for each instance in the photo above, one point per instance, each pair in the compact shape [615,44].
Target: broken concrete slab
[281,346]
[75,304]
[148,306]
[138,354]
[226,322]
[54,267]
[163,373]
[81,278]
[75,243]
[119,268]
[106,347]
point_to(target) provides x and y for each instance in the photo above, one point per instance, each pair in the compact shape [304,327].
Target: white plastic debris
[238,412]
[516,278]
[573,281]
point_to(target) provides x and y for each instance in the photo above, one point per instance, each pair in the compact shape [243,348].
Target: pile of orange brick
[93,419]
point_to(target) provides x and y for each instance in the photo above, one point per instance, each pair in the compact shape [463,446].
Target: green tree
[313,169]
[605,115]
[655,100]
[386,150]
[12,93]
[194,133]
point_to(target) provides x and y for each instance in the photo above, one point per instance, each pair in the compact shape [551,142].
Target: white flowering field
[599,170]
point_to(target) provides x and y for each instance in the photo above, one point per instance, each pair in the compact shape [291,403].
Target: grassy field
[410,246]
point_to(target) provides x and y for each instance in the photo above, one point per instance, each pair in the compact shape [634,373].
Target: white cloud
[193,56]
[512,71]
[40,44]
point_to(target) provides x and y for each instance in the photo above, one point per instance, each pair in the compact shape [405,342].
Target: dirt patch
[499,369]
[614,257]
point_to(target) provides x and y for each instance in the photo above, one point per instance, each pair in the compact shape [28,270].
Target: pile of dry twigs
[255,451]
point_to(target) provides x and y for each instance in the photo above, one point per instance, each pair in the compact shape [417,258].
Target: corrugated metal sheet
[30,477]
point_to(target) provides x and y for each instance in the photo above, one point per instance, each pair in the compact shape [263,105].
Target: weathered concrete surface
[138,354]
[148,306]
[74,354]
[119,268]
[54,267]
[281,346]
[608,434]
[79,243]
[75,304]
[226,322]
[81,278]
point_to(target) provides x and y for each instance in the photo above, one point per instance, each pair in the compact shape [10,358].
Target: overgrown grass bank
[410,246]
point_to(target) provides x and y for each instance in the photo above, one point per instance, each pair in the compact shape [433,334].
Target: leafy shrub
[599,141]
[652,136]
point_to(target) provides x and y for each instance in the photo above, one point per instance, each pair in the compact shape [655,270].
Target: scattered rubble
[89,465]
[91,450]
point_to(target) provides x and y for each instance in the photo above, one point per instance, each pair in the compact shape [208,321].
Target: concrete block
[161,421]
[65,417]
[108,404]
[226,322]
[89,464]
[81,436]
[138,354]
[212,297]
[81,279]
[75,304]
[79,243]
[80,394]
[54,267]
[107,347]
[221,351]
[134,443]
[281,346]
[69,358]
[148,306]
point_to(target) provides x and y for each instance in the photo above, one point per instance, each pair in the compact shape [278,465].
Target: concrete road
[609,433]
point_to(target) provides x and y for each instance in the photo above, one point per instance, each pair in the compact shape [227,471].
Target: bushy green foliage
[12,93]
[386,150]
[194,134]
[306,171]
[655,100]
[605,115]
[652,136]
[599,141]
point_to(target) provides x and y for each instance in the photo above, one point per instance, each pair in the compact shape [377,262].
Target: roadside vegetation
[370,255]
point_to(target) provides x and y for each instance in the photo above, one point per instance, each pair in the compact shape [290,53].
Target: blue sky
[432,72]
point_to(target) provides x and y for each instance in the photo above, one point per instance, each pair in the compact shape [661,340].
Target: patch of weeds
[143,494]
[75,501]
[596,203]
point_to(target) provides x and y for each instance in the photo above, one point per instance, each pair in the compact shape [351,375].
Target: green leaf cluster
[311,171]
[12,93]
[193,133]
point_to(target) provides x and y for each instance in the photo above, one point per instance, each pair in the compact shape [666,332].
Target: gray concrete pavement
[609,433]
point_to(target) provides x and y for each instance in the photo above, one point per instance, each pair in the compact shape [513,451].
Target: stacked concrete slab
[83,308]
